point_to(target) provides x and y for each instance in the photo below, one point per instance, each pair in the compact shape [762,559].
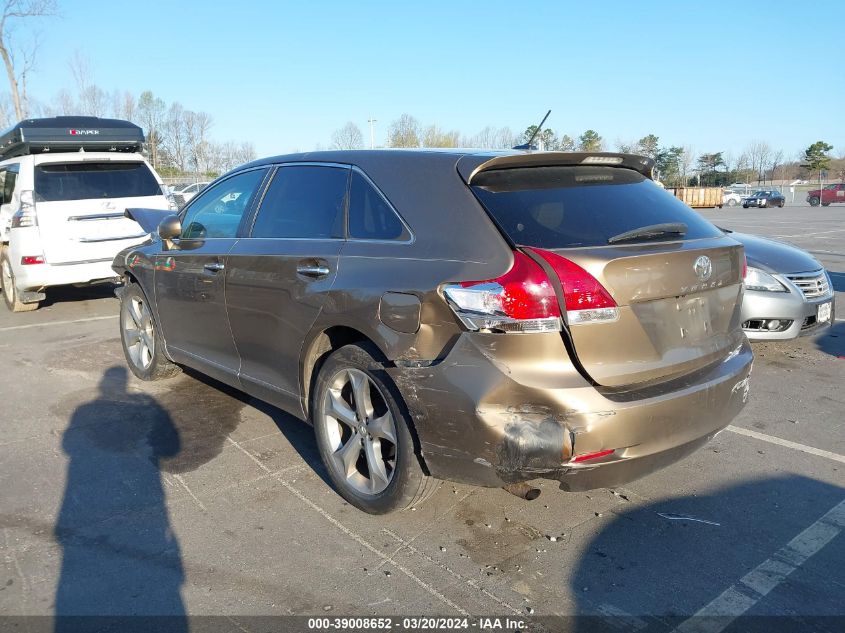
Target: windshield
[85,181]
[568,207]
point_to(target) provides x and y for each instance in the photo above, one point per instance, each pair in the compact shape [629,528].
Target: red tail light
[29,260]
[587,301]
[521,300]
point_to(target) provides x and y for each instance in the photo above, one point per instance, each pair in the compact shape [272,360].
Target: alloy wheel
[138,332]
[360,430]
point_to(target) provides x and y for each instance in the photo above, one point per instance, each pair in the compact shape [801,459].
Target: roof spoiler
[470,169]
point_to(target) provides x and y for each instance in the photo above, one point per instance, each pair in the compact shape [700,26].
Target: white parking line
[354,536]
[812,234]
[32,325]
[786,443]
[760,581]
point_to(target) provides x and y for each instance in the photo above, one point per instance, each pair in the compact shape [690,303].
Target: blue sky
[284,75]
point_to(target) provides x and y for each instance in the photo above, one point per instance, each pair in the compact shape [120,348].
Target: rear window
[570,207]
[83,181]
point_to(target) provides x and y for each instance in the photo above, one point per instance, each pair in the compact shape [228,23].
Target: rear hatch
[80,207]
[677,286]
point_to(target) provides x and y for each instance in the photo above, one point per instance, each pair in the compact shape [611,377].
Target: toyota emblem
[703,268]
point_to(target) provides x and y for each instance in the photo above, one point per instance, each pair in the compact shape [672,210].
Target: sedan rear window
[84,181]
[571,207]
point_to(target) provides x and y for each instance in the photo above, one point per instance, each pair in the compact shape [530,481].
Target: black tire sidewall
[408,473]
[9,300]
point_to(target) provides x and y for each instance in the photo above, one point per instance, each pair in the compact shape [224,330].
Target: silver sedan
[788,293]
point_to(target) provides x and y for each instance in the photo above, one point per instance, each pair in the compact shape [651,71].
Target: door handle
[313,270]
[214,267]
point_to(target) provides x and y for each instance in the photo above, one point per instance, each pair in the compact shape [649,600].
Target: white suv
[62,218]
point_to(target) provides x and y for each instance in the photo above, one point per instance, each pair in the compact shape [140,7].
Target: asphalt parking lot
[206,502]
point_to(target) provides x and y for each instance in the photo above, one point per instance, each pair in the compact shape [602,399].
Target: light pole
[372,133]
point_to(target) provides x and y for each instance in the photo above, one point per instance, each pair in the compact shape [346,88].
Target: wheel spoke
[361,394]
[132,337]
[382,427]
[375,463]
[143,353]
[347,455]
[135,312]
[148,340]
[339,410]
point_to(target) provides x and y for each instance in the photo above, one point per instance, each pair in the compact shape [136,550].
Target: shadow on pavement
[65,294]
[838,280]
[648,572]
[119,554]
[833,341]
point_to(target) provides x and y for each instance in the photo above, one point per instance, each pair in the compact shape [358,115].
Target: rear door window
[303,201]
[56,182]
[572,207]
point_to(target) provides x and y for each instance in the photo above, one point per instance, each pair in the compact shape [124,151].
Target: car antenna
[528,145]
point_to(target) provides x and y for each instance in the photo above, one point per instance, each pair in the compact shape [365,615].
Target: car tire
[782,202]
[814,201]
[745,206]
[731,203]
[142,344]
[374,465]
[10,289]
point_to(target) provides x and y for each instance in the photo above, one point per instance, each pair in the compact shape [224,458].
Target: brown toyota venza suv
[482,317]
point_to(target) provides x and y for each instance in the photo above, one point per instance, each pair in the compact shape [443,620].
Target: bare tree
[567,143]
[758,157]
[433,136]
[197,128]
[686,160]
[776,161]
[626,147]
[174,137]
[404,132]
[348,137]
[13,12]
[151,113]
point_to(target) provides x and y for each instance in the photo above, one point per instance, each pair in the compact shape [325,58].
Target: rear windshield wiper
[653,230]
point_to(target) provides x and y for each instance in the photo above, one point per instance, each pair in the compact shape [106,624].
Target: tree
[708,165]
[777,161]
[174,138]
[151,113]
[404,132]
[348,137]
[816,157]
[668,164]
[492,138]
[566,143]
[590,141]
[758,156]
[626,147]
[433,136]
[15,10]
[648,146]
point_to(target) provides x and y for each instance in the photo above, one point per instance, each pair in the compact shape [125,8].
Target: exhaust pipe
[523,491]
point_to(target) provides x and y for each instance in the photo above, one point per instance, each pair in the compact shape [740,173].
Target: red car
[826,195]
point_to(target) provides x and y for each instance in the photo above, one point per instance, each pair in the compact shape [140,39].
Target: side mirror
[170,228]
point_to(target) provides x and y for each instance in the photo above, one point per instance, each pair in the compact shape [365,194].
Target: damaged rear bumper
[491,414]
